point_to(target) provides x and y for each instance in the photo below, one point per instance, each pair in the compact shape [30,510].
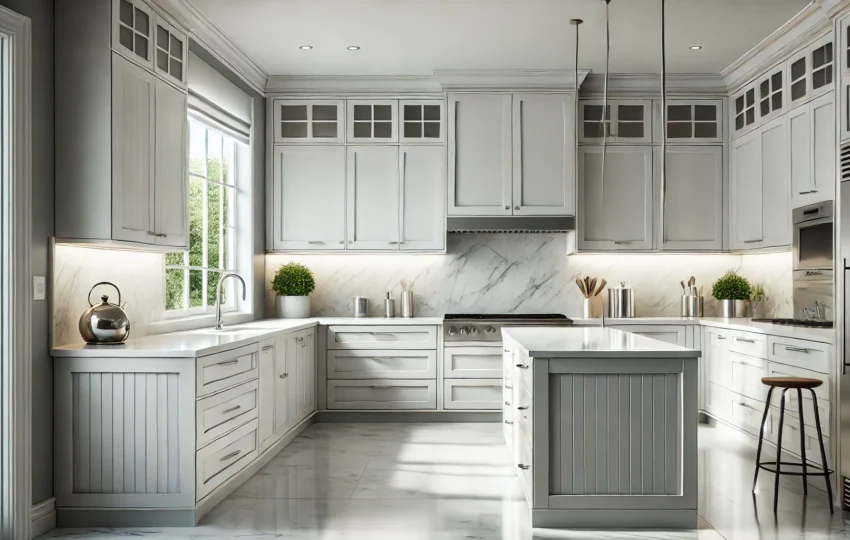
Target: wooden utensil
[599,286]
[580,284]
[592,287]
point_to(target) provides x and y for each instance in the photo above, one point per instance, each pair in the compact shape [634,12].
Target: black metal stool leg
[778,452]
[803,441]
[761,436]
[824,464]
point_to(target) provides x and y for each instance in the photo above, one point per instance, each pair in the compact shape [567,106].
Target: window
[191,279]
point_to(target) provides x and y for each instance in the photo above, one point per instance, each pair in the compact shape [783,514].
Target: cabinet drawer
[382,337]
[796,352]
[523,372]
[718,402]
[721,339]
[221,413]
[382,394]
[791,407]
[791,437]
[225,369]
[747,372]
[668,334]
[225,457]
[473,362]
[523,458]
[746,413]
[742,342]
[382,364]
[484,394]
[523,411]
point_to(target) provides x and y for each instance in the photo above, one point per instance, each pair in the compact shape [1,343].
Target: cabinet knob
[507,208]
[516,207]
[523,467]
[284,375]
[508,422]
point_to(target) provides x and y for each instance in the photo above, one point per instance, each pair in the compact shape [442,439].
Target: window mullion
[205,220]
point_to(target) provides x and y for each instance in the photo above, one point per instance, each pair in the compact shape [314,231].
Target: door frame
[15,288]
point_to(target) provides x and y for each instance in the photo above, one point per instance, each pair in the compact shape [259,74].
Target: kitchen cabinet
[842,46]
[811,71]
[372,198]
[301,121]
[543,141]
[133,31]
[811,149]
[422,209]
[171,53]
[266,393]
[743,110]
[295,370]
[627,121]
[690,199]
[617,210]
[171,184]
[691,121]
[308,198]
[422,121]
[480,155]
[675,335]
[771,93]
[372,121]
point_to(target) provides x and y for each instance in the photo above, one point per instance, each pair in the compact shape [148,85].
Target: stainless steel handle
[380,387]
[231,455]
[808,192]
[744,340]
[798,349]
[342,241]
[622,242]
[228,362]
[522,366]
[522,408]
[516,207]
[507,350]
[315,242]
[283,375]
[509,387]
[151,233]
[754,241]
[267,347]
[508,403]
[236,408]
[523,466]
[161,235]
[508,422]
[393,243]
[507,208]
[721,337]
[742,404]
[299,339]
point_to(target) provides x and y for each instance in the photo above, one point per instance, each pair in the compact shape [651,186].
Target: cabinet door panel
[133,120]
[302,121]
[799,138]
[171,189]
[692,196]
[281,386]
[775,192]
[617,212]
[132,31]
[266,429]
[480,154]
[543,173]
[822,111]
[372,120]
[309,197]
[372,198]
[423,197]
[171,53]
[745,196]
[421,121]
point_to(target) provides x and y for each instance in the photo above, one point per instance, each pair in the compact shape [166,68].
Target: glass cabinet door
[799,87]
[421,121]
[592,126]
[823,71]
[372,121]
[171,53]
[633,121]
[771,94]
[308,121]
[132,30]
[744,109]
[693,121]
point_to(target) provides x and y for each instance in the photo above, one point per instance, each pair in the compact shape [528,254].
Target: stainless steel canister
[696,306]
[621,302]
[361,307]
[407,304]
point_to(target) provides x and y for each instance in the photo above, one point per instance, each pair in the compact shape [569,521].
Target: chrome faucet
[219,323]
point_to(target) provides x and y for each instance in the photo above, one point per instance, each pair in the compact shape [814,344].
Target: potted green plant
[293,283]
[733,291]
[758,298]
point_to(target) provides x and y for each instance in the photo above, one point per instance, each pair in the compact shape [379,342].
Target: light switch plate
[39,289]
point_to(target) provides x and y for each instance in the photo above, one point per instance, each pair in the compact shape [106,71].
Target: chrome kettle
[104,323]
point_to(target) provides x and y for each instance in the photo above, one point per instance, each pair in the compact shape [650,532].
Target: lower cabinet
[472,394]
[380,394]
[472,377]
[676,335]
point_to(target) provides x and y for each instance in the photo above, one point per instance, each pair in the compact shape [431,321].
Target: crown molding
[214,40]
[359,84]
[509,79]
[649,84]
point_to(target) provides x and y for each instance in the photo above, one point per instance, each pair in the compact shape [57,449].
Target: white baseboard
[43,517]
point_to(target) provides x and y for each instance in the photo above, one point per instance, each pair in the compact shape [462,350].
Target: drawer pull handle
[523,467]
[299,339]
[228,362]
[315,242]
[742,404]
[721,337]
[507,350]
[508,422]
[522,366]
[283,375]
[522,408]
[753,241]
[798,349]
[509,387]
[745,340]
[231,455]
[380,387]
[508,403]
[268,347]
[231,409]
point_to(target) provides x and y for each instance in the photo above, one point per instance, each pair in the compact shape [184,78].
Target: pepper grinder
[389,307]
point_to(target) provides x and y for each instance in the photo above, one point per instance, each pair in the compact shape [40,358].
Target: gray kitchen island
[602,425]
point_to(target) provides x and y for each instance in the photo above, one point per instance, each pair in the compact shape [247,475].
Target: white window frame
[237,232]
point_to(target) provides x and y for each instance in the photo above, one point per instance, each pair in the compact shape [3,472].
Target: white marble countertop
[204,341]
[591,342]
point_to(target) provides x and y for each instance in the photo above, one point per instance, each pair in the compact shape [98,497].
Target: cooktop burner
[797,322]
[459,328]
[502,316]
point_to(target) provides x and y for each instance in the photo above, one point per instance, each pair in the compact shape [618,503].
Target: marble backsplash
[524,273]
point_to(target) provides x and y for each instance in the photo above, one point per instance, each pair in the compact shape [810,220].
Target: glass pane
[383,112]
[293,112]
[679,130]
[322,130]
[705,130]
[413,112]
[630,112]
[432,130]
[764,108]
[828,75]
[818,57]
[362,112]
[141,46]
[739,105]
[705,112]
[750,116]
[213,225]
[432,112]
[631,130]
[142,22]
[678,112]
[324,112]
[776,81]
[798,69]
[125,37]
[212,288]
[594,112]
[777,101]
[828,47]
[161,37]
[293,130]
[229,167]
[363,130]
[174,287]
[764,88]
[214,149]
[176,69]
[196,288]
[819,78]
[383,130]
[413,130]
[197,149]
[125,13]
[739,121]
[162,60]
[751,97]
[593,130]
[175,259]
[196,221]
[176,47]
[798,90]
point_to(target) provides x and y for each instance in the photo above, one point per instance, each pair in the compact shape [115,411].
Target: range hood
[511,224]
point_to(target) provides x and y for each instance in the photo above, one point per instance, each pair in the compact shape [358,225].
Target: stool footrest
[811,470]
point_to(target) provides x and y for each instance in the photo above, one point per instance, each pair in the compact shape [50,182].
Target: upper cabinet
[743,110]
[692,121]
[626,121]
[372,205]
[422,198]
[771,93]
[422,121]
[298,121]
[372,121]
[172,53]
[133,31]
[811,150]
[842,45]
[810,71]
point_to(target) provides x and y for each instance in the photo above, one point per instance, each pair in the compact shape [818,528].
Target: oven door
[813,234]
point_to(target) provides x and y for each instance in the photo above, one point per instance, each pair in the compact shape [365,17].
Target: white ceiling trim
[509,79]
[214,40]
[649,84]
[336,84]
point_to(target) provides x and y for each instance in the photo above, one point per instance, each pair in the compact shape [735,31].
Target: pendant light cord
[605,109]
[576,23]
[663,124]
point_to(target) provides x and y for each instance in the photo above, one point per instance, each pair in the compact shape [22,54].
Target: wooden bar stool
[792,383]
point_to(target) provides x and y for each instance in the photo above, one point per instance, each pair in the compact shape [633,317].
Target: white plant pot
[293,307]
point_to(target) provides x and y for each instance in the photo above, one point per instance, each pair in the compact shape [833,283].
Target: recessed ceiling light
[695,47]
[353,48]
[305,47]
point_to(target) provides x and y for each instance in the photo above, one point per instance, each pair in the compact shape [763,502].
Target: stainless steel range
[466,328]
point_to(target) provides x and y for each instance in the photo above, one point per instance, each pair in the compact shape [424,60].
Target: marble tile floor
[456,481]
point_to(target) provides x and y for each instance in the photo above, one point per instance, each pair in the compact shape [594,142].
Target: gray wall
[259,195]
[41,14]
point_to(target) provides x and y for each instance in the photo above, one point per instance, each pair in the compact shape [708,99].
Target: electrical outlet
[39,289]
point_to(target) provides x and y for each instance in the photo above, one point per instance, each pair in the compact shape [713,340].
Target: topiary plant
[731,286]
[293,279]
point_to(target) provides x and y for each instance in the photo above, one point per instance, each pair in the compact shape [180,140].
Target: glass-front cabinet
[298,121]
[132,31]
[626,121]
[171,53]
[421,121]
[823,69]
[692,121]
[771,93]
[372,121]
[743,110]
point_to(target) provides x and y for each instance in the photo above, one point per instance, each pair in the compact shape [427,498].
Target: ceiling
[416,37]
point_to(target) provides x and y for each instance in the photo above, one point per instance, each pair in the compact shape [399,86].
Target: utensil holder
[696,306]
[592,307]
[361,307]
[685,308]
[407,304]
